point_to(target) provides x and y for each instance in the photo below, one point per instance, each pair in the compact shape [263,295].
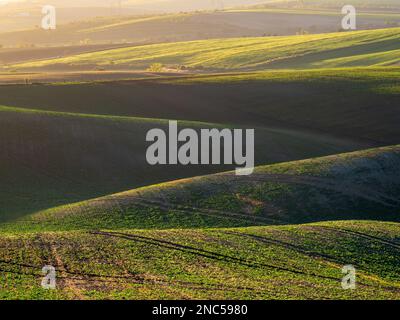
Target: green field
[355,49]
[113,247]
[77,193]
[363,183]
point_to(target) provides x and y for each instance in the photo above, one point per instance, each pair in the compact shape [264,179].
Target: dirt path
[68,282]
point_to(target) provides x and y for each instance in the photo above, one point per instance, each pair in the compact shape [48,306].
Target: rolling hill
[174,27]
[353,104]
[283,233]
[101,250]
[77,193]
[53,158]
[360,48]
[92,142]
[361,185]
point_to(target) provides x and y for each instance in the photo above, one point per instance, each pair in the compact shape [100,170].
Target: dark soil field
[78,76]
[340,103]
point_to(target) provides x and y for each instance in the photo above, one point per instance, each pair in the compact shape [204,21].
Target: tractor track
[298,249]
[344,231]
[326,183]
[204,253]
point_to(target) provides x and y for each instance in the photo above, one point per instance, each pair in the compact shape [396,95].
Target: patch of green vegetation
[284,262]
[156,67]
[384,58]
[365,78]
[360,185]
[388,89]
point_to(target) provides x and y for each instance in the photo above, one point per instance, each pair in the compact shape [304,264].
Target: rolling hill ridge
[360,48]
[124,243]
[354,186]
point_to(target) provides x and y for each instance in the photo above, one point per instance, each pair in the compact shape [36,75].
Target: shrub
[156,67]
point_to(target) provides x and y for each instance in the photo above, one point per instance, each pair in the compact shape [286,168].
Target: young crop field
[121,143]
[176,241]
[75,194]
[306,51]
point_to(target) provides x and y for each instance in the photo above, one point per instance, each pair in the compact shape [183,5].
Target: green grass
[306,51]
[285,262]
[385,58]
[217,237]
[365,79]
[283,233]
[360,185]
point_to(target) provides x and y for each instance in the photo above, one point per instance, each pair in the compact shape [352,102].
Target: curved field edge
[367,76]
[275,262]
[358,185]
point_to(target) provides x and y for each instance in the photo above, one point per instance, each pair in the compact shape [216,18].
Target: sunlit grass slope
[141,244]
[280,262]
[307,51]
[359,185]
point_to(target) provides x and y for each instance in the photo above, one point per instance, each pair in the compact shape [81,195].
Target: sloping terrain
[261,262]
[292,262]
[77,193]
[77,76]
[360,185]
[382,4]
[52,158]
[307,51]
[16,55]
[73,154]
[192,26]
[360,105]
